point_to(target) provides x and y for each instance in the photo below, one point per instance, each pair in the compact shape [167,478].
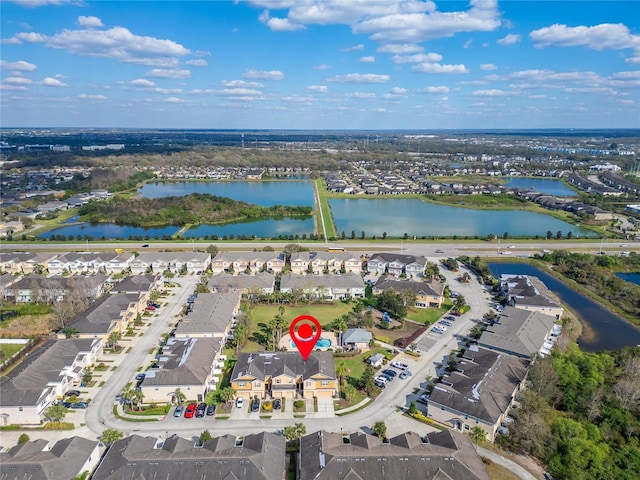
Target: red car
[190,411]
[150,308]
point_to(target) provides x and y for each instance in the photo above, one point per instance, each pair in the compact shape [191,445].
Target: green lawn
[355,365]
[7,350]
[427,316]
[261,315]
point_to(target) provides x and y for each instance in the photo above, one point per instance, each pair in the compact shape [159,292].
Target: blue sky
[311,64]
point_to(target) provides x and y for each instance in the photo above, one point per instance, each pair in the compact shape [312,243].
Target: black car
[140,377]
[384,375]
[211,409]
[277,404]
[200,411]
[72,393]
[390,372]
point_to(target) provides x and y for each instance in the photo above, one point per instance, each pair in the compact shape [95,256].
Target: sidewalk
[353,407]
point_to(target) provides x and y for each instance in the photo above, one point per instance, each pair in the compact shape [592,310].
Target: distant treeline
[191,209]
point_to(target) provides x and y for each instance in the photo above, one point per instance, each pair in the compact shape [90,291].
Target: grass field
[261,315]
[355,365]
[498,472]
[7,350]
[427,316]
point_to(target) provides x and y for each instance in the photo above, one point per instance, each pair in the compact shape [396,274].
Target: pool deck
[285,342]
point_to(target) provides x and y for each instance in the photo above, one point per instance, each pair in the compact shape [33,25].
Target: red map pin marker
[305,338]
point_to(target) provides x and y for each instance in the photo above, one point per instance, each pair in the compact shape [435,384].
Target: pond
[398,216]
[270,228]
[549,186]
[609,331]
[266,194]
[110,230]
[630,277]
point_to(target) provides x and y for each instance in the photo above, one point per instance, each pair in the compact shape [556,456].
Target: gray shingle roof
[212,313]
[519,332]
[226,281]
[303,282]
[136,284]
[258,457]
[100,314]
[442,455]
[61,462]
[356,335]
[419,288]
[272,364]
[483,386]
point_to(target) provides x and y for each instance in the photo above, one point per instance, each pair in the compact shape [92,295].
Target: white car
[239,402]
[505,252]
[439,329]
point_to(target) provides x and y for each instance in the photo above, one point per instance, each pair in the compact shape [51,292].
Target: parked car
[446,323]
[391,373]
[178,411]
[439,251]
[140,377]
[255,405]
[380,382]
[424,397]
[72,393]
[404,374]
[399,365]
[190,410]
[150,308]
[81,405]
[146,245]
[66,404]
[239,402]
[451,318]
[277,404]
[200,410]
[211,409]
[384,375]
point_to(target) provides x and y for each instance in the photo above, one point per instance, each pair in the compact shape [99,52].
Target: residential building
[319,263]
[519,332]
[359,456]
[24,263]
[139,284]
[259,283]
[376,360]
[248,262]
[190,364]
[327,287]
[38,288]
[356,339]
[527,292]
[428,294]
[90,262]
[174,262]
[479,392]
[111,313]
[209,315]
[10,228]
[39,460]
[284,375]
[44,376]
[397,264]
[259,456]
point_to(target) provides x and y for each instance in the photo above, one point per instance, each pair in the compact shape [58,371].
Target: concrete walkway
[510,465]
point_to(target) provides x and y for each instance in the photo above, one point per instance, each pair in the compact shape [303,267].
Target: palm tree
[341,372]
[478,435]
[179,396]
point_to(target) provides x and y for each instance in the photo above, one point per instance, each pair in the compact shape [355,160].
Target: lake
[398,216]
[630,277]
[270,228]
[110,230]
[610,331]
[264,193]
[549,186]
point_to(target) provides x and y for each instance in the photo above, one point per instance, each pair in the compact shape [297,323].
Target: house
[10,228]
[479,392]
[38,459]
[210,315]
[259,456]
[428,294]
[376,360]
[326,287]
[396,264]
[519,332]
[142,285]
[38,288]
[319,263]
[25,263]
[260,283]
[44,376]
[359,456]
[89,262]
[248,262]
[530,293]
[111,313]
[190,364]
[174,262]
[356,339]
[284,375]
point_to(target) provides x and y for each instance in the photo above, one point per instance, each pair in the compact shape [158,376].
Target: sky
[320,64]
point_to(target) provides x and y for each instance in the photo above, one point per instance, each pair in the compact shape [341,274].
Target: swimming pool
[322,343]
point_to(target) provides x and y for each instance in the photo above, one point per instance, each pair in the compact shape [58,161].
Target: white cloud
[418,58]
[361,95]
[20,66]
[241,83]
[117,43]
[395,93]
[90,22]
[200,62]
[510,39]
[432,89]
[142,82]
[4,86]
[28,37]
[318,88]
[359,46]
[238,92]
[174,100]
[165,91]
[297,99]
[283,25]
[400,48]
[322,67]
[488,66]
[42,3]
[367,59]
[53,82]
[18,80]
[263,74]
[606,36]
[86,96]
[438,68]
[168,73]
[489,93]
[359,78]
